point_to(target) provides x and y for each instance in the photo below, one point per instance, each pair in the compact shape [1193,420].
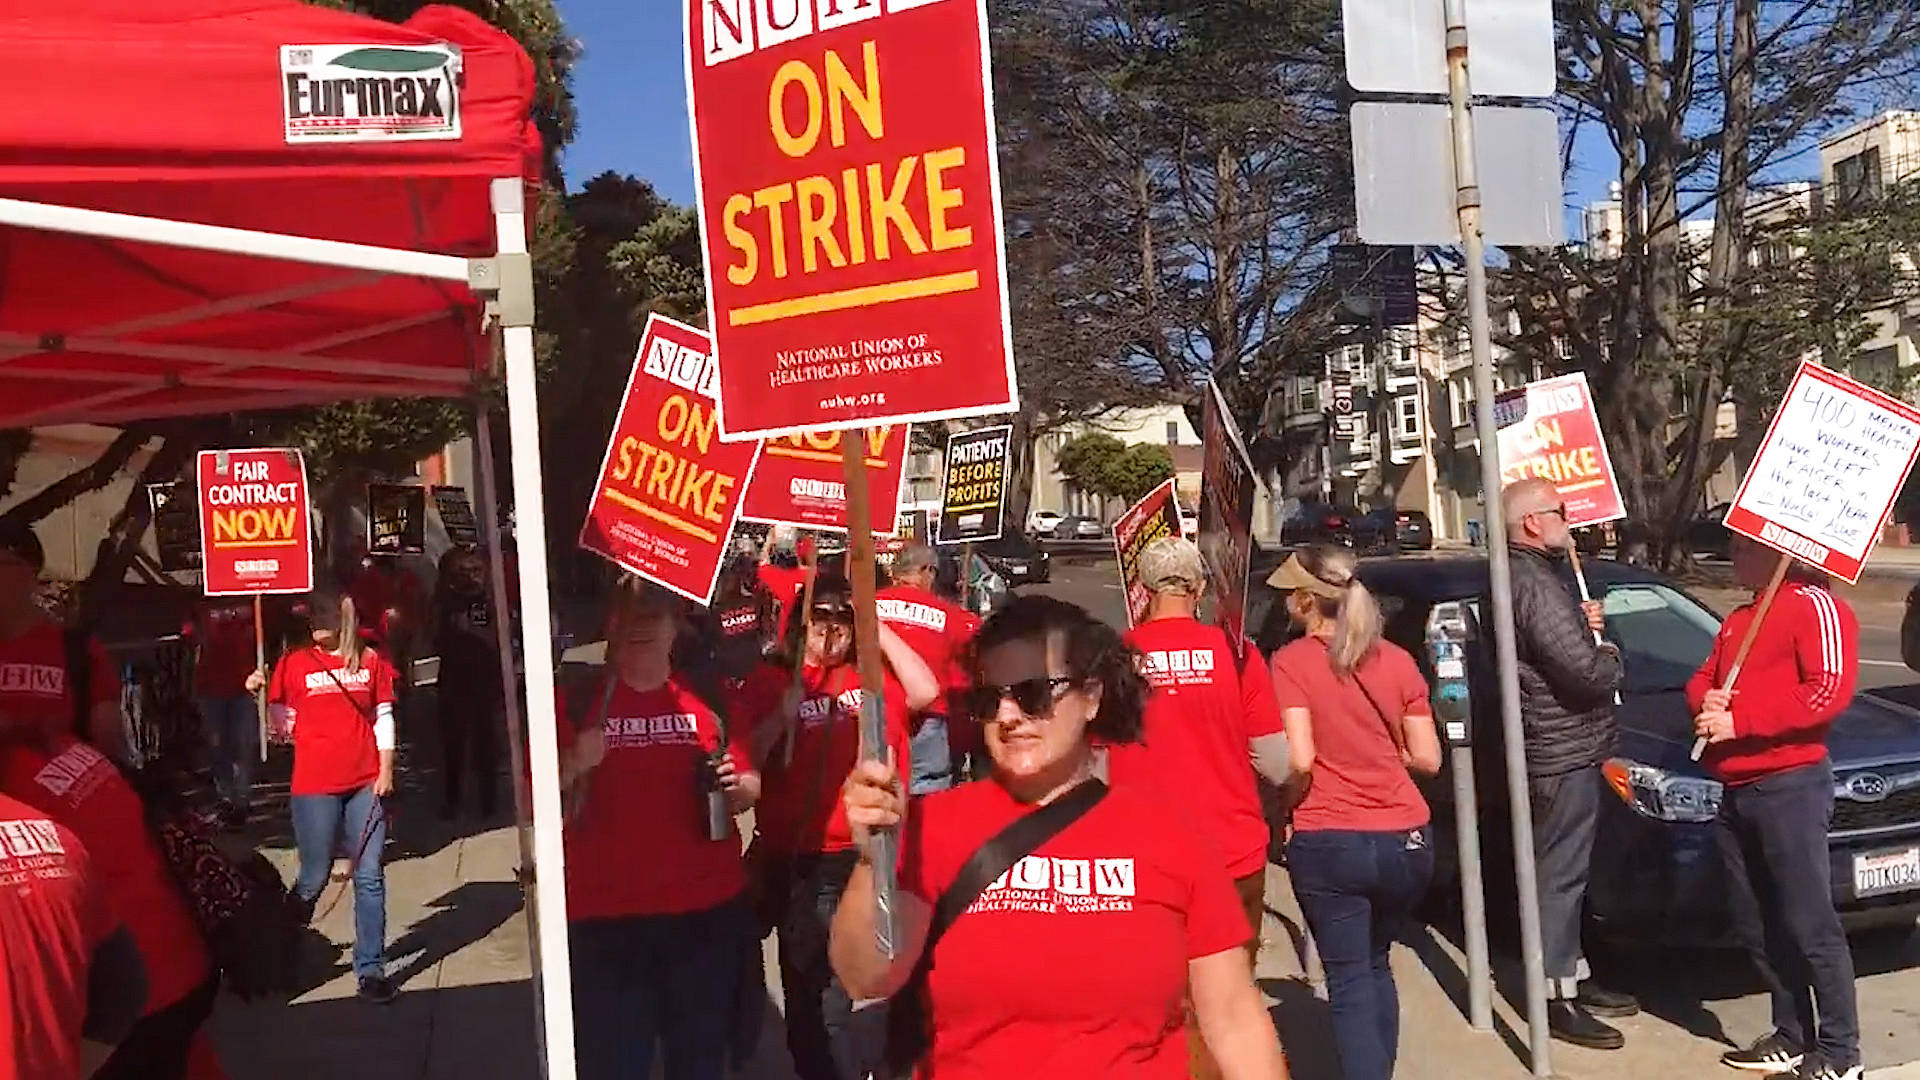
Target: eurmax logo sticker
[370,93]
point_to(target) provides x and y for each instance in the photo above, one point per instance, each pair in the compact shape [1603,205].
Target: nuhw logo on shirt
[634,732]
[40,680]
[1050,886]
[1178,667]
[338,680]
[815,711]
[74,773]
[906,611]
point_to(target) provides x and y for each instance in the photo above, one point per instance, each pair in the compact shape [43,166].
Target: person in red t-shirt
[1075,961]
[661,933]
[34,661]
[803,828]
[223,629]
[78,787]
[334,698]
[1358,720]
[71,981]
[1211,710]
[939,631]
[1767,742]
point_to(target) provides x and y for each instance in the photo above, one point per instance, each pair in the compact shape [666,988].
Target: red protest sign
[1148,520]
[1824,480]
[1549,429]
[800,480]
[669,490]
[850,202]
[256,533]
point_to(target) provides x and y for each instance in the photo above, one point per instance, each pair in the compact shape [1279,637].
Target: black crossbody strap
[998,855]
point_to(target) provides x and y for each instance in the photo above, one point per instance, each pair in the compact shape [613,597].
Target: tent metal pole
[190,234]
[487,508]
[549,899]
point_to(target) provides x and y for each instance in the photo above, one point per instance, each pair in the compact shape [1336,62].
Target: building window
[1309,395]
[1857,179]
[1460,394]
[1173,433]
[1407,416]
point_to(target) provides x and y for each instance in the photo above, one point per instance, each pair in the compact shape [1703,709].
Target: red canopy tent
[232,205]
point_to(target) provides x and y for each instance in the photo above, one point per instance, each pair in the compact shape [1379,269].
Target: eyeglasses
[1560,511]
[1034,697]
[838,616]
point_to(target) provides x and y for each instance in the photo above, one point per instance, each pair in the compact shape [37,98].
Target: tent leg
[487,507]
[549,899]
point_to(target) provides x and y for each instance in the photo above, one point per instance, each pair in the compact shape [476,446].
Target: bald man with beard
[1567,683]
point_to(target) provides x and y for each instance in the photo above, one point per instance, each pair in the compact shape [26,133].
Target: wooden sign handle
[1753,631]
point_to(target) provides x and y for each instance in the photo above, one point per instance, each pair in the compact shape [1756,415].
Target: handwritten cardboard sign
[1824,480]
[1549,429]
[1151,518]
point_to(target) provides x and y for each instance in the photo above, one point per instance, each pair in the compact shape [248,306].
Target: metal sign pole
[1467,201]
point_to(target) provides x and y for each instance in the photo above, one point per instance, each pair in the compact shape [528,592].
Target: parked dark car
[1657,876]
[1079,528]
[1392,530]
[1708,535]
[1318,523]
[1017,557]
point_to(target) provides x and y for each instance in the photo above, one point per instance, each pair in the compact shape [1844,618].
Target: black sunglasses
[1034,697]
[833,614]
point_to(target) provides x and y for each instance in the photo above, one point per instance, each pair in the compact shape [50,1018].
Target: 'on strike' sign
[850,208]
[1824,481]
[255,530]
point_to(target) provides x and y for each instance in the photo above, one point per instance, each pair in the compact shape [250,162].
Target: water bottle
[719,815]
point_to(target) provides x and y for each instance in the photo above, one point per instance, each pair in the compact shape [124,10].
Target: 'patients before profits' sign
[669,490]
[256,533]
[850,208]
[1824,480]
[1550,431]
[974,493]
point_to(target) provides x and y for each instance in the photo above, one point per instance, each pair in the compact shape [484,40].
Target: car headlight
[1661,795]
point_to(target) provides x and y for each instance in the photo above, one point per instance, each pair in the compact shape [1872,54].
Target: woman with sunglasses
[1358,722]
[803,825]
[660,929]
[334,700]
[1075,961]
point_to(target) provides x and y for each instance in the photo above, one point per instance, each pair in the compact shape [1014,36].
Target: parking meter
[1449,628]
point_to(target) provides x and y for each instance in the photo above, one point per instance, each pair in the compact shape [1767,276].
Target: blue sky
[630,89]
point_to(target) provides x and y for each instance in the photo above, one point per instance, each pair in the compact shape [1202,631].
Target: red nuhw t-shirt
[1204,709]
[53,915]
[938,632]
[1359,781]
[78,787]
[1103,919]
[226,648]
[334,710]
[800,809]
[637,844]
[33,679]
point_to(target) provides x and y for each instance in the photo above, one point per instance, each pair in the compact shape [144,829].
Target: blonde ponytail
[351,647]
[1354,611]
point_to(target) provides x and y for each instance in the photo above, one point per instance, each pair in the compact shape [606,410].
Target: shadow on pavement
[460,918]
[1425,941]
[1306,1028]
[456,1033]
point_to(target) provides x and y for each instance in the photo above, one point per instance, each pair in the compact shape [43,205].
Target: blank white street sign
[1400,47]
[1404,183]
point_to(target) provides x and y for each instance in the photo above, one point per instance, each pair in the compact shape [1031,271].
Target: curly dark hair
[830,589]
[1093,653]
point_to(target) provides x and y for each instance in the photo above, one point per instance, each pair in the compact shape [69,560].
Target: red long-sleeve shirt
[1800,674]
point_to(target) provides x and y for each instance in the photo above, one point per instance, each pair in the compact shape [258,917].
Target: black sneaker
[377,989]
[1601,1001]
[1773,1054]
[1572,1024]
[1816,1067]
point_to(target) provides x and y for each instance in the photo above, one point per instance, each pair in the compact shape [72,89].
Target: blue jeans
[1357,890]
[931,758]
[233,742]
[319,824]
[671,981]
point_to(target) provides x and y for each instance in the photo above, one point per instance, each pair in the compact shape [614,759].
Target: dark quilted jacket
[1567,681]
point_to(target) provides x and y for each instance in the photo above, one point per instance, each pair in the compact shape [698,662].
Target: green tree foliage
[1102,465]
